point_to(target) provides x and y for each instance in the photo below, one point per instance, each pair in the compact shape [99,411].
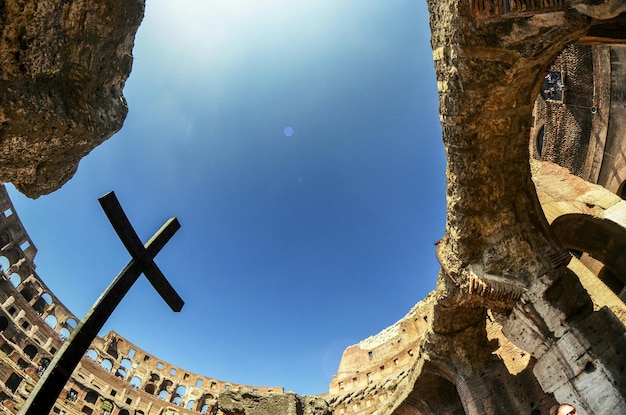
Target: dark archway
[603,239]
[30,351]
[150,388]
[432,395]
[91,397]
[4,323]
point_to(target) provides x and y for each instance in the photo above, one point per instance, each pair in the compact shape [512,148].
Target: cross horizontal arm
[138,251]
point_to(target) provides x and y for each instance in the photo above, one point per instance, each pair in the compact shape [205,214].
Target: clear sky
[298,143]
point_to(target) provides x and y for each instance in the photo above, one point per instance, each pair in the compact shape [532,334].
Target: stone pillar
[577,349]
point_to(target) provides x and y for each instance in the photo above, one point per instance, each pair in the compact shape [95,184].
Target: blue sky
[292,246]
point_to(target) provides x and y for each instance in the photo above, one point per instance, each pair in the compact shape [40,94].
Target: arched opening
[106,365]
[135,382]
[91,397]
[163,394]
[52,321]
[190,405]
[13,382]
[71,323]
[181,391]
[603,239]
[30,351]
[4,263]
[433,394]
[4,323]
[28,292]
[154,378]
[126,364]
[42,304]
[539,140]
[166,385]
[120,373]
[177,400]
[15,279]
[92,354]
[124,412]
[150,388]
[64,334]
[107,407]
[43,365]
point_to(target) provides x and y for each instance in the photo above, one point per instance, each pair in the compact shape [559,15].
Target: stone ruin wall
[369,371]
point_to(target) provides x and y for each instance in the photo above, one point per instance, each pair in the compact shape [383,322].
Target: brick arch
[12,255]
[4,323]
[4,238]
[603,239]
[435,391]
[44,301]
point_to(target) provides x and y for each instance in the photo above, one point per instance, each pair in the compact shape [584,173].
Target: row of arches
[41,301]
[602,239]
[154,385]
[93,399]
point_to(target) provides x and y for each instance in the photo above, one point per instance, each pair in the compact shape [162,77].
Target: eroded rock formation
[63,65]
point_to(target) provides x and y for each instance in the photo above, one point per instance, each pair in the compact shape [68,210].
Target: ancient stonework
[529,306]
[63,65]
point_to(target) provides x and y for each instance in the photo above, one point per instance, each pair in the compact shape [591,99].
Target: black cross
[47,390]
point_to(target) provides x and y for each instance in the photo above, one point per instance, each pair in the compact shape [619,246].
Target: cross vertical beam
[50,385]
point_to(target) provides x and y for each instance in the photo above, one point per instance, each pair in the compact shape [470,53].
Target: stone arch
[166,384]
[4,323]
[539,141]
[434,393]
[43,365]
[4,239]
[602,239]
[135,382]
[92,354]
[150,388]
[106,364]
[42,304]
[15,279]
[64,333]
[13,382]
[91,397]
[181,391]
[124,412]
[163,394]
[12,257]
[30,289]
[120,373]
[4,263]
[206,402]
[30,351]
[52,321]
[126,364]
[70,322]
